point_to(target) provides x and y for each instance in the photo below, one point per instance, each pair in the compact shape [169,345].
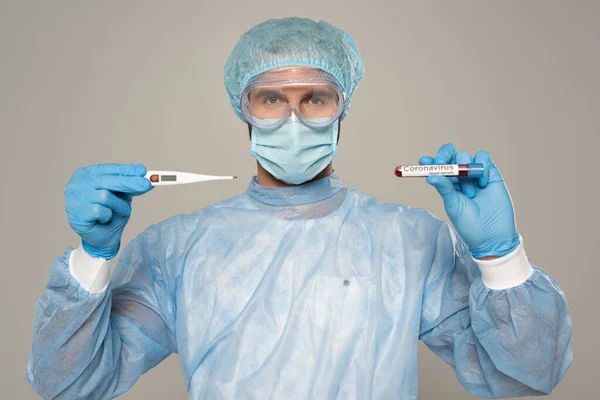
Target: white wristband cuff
[92,273]
[506,272]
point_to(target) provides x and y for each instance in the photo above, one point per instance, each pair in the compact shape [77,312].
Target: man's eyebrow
[323,93]
[262,92]
[309,91]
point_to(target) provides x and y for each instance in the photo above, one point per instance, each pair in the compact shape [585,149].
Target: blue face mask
[295,153]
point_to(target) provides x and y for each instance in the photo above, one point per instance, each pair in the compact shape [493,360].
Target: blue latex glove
[98,204]
[481,210]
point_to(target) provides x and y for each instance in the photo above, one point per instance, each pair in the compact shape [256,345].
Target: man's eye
[316,101]
[272,100]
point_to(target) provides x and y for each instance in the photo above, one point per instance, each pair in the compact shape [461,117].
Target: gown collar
[307,193]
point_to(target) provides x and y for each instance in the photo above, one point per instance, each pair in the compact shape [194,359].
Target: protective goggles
[311,94]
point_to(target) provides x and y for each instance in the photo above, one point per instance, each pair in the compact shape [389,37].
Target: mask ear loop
[337,125]
[334,135]
[253,144]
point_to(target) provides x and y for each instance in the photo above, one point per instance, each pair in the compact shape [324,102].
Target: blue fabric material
[310,192]
[295,153]
[290,42]
[309,292]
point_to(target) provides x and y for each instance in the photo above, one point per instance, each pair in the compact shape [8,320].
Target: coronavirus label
[427,170]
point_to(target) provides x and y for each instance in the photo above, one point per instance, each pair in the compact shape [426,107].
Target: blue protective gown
[310,292]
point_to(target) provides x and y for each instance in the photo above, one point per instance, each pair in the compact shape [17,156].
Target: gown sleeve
[95,345]
[508,341]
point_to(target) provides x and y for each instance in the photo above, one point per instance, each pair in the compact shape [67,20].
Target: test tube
[472,170]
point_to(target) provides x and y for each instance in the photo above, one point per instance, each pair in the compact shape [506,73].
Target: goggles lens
[268,102]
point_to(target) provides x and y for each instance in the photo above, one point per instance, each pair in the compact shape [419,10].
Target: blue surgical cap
[289,42]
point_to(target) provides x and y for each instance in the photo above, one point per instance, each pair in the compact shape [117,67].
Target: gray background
[113,81]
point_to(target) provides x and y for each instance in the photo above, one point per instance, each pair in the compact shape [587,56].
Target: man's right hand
[98,204]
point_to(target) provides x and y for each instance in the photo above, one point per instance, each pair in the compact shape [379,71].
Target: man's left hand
[480,209]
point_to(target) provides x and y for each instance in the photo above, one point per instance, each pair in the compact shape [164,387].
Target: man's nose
[293,116]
